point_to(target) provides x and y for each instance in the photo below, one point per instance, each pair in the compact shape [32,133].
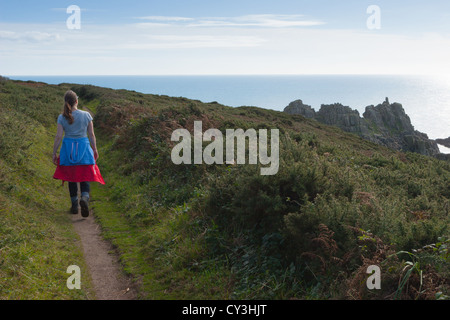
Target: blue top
[78,129]
[76,152]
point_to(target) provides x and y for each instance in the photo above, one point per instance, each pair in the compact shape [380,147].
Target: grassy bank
[337,205]
[37,242]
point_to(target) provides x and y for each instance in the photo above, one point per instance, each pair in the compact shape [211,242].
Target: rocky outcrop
[297,107]
[444,142]
[343,117]
[386,124]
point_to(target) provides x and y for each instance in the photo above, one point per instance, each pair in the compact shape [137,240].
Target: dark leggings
[73,188]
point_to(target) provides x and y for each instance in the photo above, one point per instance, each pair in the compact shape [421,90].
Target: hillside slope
[337,205]
[37,242]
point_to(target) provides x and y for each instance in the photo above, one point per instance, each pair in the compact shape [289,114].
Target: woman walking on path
[78,155]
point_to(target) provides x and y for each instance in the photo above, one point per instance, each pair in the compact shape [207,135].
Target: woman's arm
[58,138]
[90,132]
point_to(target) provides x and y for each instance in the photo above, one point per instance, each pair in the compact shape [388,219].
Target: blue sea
[425,99]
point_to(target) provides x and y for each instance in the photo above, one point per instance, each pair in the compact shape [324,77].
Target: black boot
[84,203]
[74,209]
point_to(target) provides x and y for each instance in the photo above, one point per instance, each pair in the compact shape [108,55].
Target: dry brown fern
[324,248]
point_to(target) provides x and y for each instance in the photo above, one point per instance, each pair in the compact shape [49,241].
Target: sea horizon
[426,99]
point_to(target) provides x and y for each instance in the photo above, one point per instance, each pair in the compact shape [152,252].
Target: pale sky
[174,37]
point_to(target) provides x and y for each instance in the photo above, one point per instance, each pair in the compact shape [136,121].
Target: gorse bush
[315,203]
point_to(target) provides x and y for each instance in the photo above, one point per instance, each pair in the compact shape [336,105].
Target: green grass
[165,257]
[37,242]
[337,205]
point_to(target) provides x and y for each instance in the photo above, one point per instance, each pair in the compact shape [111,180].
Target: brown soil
[108,280]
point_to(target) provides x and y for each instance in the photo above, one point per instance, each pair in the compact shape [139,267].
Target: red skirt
[83,173]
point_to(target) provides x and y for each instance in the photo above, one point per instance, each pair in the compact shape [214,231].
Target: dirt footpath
[106,273]
[108,280]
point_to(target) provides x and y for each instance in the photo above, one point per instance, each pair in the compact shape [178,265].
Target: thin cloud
[165,18]
[195,41]
[246,21]
[81,9]
[261,21]
[29,36]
